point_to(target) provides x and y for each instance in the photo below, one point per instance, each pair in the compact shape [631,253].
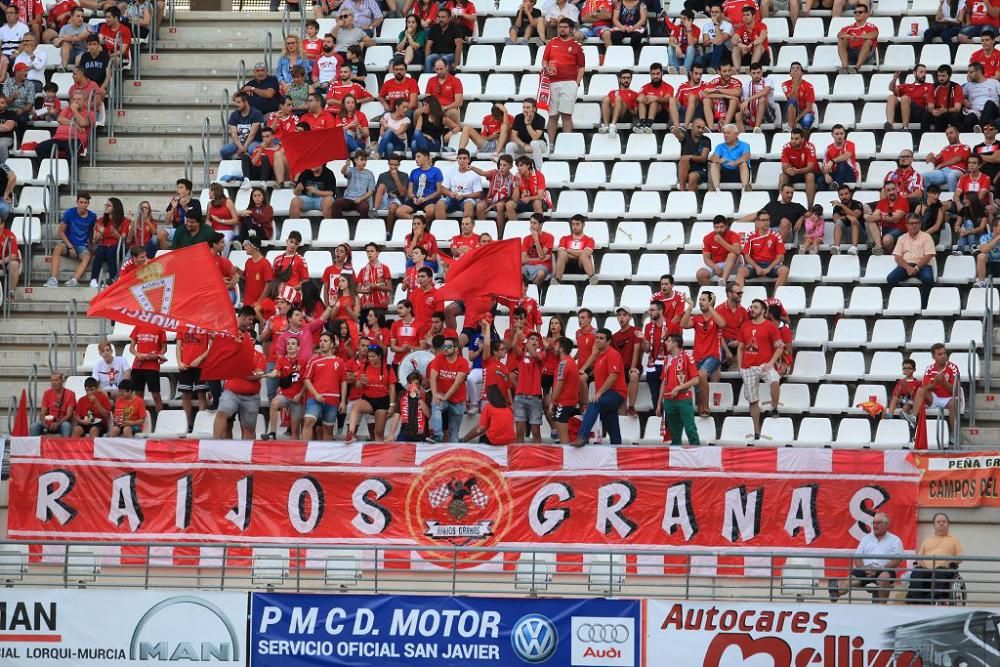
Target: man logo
[534,638]
[208,620]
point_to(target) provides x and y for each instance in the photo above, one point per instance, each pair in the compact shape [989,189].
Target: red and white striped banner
[405,497]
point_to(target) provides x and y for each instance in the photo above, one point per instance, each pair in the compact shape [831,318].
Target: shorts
[311,202]
[247,406]
[798,178]
[528,409]
[321,412]
[699,112]
[752,377]
[563,413]
[389,200]
[532,271]
[81,250]
[631,101]
[865,580]
[562,96]
[190,380]
[589,31]
[548,381]
[752,272]
[453,204]
[141,379]
[526,206]
[765,58]
[779,5]
[419,207]
[709,364]
[489,147]
[894,232]
[940,402]
[377,404]
[852,56]
[727,175]
[993,269]
[294,407]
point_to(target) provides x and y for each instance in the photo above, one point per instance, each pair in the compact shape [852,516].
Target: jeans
[987,115]
[105,254]
[966,242]
[675,61]
[606,407]
[271,383]
[228,152]
[947,32]
[6,143]
[352,143]
[680,417]
[653,379]
[455,413]
[538,149]
[713,58]
[844,173]
[448,58]
[422,142]
[44,148]
[5,210]
[255,173]
[390,143]
[943,177]
[38,429]
[924,275]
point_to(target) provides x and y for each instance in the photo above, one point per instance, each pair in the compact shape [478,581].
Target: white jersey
[751,88]
[327,66]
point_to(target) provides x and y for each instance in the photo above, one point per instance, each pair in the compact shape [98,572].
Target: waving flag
[228,358]
[179,291]
[482,274]
[313,148]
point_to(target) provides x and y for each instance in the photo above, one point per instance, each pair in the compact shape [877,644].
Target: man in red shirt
[536,252]
[801,96]
[466,240]
[857,42]
[763,254]
[721,97]
[129,414]
[750,40]
[446,377]
[230,276]
[58,405]
[563,61]
[720,249]
[673,401]
[565,390]
[530,193]
[687,100]
[148,346]
[447,88]
[760,347]
[425,299]
[628,342]
[192,350]
[10,254]
[325,385]
[374,281]
[910,98]
[987,56]
[399,86]
[486,139]
[949,163]
[404,337]
[941,384]
[575,252]
[735,315]
[708,325]
[92,412]
[111,29]
[734,10]
[289,267]
[620,103]
[609,392]
[944,107]
[241,396]
[981,16]
[654,334]
[257,272]
[798,164]
[974,180]
[888,220]
[904,394]
[654,100]
[343,87]
[673,303]
[840,164]
[528,390]
[909,182]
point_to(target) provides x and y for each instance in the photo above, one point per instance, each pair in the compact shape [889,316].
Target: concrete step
[171,89]
[26,327]
[212,60]
[160,175]
[173,148]
[159,121]
[981,436]
[207,19]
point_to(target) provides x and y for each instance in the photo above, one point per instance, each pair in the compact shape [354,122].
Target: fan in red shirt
[148,346]
[404,336]
[565,390]
[888,220]
[610,389]
[536,251]
[940,388]
[974,180]
[617,102]
[904,393]
[129,416]
[530,192]
[760,347]
[763,254]
[289,268]
[563,63]
[628,342]
[799,164]
[289,372]
[840,164]
[315,117]
[750,43]
[257,272]
[111,30]
[945,106]
[283,121]
[425,299]
[576,250]
[532,313]
[721,96]
[654,99]
[910,98]
[528,390]
[496,423]
[857,42]
[720,249]
[377,381]
[688,95]
[734,9]
[735,315]
[192,350]
[673,303]
[674,396]
[399,86]
[325,389]
[447,88]
[466,240]
[374,281]
[801,97]
[708,325]
[446,377]
[987,56]
[342,88]
[58,404]
[92,412]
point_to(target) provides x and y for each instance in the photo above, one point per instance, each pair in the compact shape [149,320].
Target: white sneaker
[72,282]
[52,282]
[721,282]
[853,250]
[612,129]
[93,283]
[602,129]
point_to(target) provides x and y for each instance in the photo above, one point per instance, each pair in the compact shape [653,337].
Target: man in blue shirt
[76,227]
[424,189]
[730,161]
[244,128]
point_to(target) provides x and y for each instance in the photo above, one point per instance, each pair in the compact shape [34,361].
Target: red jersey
[733,10]
[629,97]
[919,93]
[59,404]
[707,338]
[749,34]
[547,241]
[585,340]
[951,375]
[907,180]
[906,390]
[735,319]
[496,373]
[425,304]
[8,244]
[256,275]
[109,37]
[380,378]
[338,91]
[716,252]
[677,370]
[901,204]
[403,333]
[594,6]
[192,345]
[529,375]
[570,242]
[979,13]
[323,120]
[148,340]
[981,183]
[680,35]
[326,375]
[447,375]
[226,268]
[491,126]
[626,341]
[296,268]
[673,309]
[86,407]
[607,363]
[759,342]
[990,63]
[952,151]
[801,157]
[313,48]
[278,325]
[469,242]
[856,34]
[805,97]
[948,95]
[566,56]
[368,276]
[290,368]
[106,228]
[833,152]
[569,373]
[764,248]
[686,90]
[719,105]
[498,424]
[534,185]
[428,242]
[282,126]
[129,410]
[412,419]
[662,90]
[392,90]
[246,387]
[446,91]
[533,314]
[654,335]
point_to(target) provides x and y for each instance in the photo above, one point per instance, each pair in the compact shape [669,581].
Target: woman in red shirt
[377,382]
[257,218]
[420,237]
[143,230]
[344,301]
[426,11]
[496,423]
[109,230]
[222,214]
[355,124]
[375,328]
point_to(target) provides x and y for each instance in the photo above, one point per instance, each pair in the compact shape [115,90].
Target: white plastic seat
[617,58]
[894,142]
[843,269]
[686,267]
[827,300]
[281,200]
[975,303]
[603,147]
[847,366]
[599,298]
[615,266]
[651,266]
[667,235]
[958,270]
[824,59]
[671,149]
[736,431]
[886,366]
[636,297]
[171,423]
[792,297]
[570,203]
[793,398]
[850,333]
[641,146]
[831,399]
[556,173]
[560,299]
[806,269]
[513,58]
[943,301]
[365,231]
[808,30]
[815,432]
[661,176]
[888,334]
[865,392]
[644,205]
[31,198]
[892,434]
[26,230]
[864,301]
[630,235]
[809,366]
[568,146]
[777,431]
[811,332]
[903,302]
[854,432]
[625,175]
[682,204]
[963,332]
[717,203]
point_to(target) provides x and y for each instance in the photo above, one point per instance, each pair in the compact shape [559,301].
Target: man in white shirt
[879,571]
[462,188]
[548,22]
[11,32]
[982,99]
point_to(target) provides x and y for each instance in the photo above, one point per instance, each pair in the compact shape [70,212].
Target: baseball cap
[21,67]
[623,309]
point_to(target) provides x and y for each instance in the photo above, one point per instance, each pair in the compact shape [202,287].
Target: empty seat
[888,334]
[615,266]
[809,366]
[887,366]
[811,332]
[651,265]
[827,300]
[831,399]
[815,431]
[892,433]
[943,301]
[793,398]
[847,366]
[854,432]
[630,235]
[850,333]
[560,299]
[736,431]
[864,301]
[903,302]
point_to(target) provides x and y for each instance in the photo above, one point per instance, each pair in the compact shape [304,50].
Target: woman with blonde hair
[222,214]
[291,55]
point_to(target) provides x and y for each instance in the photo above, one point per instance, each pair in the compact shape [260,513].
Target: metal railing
[189,163]
[774,576]
[29,248]
[53,352]
[206,150]
[33,393]
[970,410]
[72,328]
[241,74]
[11,413]
[988,337]
[268,50]
[223,116]
[4,251]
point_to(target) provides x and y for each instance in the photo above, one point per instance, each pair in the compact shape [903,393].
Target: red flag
[313,148]
[179,291]
[483,273]
[228,358]
[920,437]
[21,419]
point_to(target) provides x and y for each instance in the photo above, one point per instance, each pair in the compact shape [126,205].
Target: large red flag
[920,436]
[313,148]
[179,291]
[228,358]
[483,274]
[20,428]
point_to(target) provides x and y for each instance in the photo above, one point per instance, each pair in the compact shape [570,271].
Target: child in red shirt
[901,402]
[289,372]
[496,423]
[413,410]
[92,411]
[130,412]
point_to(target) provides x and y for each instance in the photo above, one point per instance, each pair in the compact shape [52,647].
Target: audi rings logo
[534,638]
[604,633]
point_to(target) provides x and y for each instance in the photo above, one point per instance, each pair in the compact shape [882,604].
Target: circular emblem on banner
[461,499]
[534,638]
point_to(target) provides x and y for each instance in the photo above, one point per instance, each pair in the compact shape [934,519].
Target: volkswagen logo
[607,633]
[534,638]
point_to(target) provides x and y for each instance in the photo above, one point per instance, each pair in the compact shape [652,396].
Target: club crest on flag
[155,292]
